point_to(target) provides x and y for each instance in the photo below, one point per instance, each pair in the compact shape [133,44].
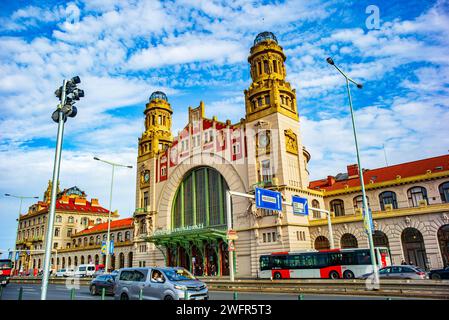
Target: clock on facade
[146,177]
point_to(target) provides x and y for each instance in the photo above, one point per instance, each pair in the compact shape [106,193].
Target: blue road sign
[268,199]
[111,247]
[300,205]
[10,255]
[17,255]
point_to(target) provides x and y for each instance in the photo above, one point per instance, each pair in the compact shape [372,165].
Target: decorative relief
[144,178]
[408,221]
[445,218]
[263,142]
[291,143]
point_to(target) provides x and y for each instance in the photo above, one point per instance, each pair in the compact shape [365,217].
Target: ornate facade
[182,181]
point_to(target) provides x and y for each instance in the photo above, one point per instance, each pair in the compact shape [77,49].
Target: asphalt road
[61,292]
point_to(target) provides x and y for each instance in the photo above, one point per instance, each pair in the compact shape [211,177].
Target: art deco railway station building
[182,180]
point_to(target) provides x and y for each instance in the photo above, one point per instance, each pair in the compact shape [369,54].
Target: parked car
[438,274]
[98,273]
[400,272]
[167,283]
[84,270]
[105,281]
[60,273]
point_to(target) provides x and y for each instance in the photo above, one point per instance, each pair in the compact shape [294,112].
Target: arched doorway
[130,260]
[69,262]
[348,241]
[380,239]
[322,243]
[76,261]
[443,240]
[63,262]
[413,246]
[112,262]
[82,259]
[97,259]
[121,260]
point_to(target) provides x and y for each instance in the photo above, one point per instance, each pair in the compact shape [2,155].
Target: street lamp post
[68,94]
[367,214]
[110,207]
[20,212]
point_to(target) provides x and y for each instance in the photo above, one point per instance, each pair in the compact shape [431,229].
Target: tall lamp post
[68,94]
[110,207]
[20,212]
[367,213]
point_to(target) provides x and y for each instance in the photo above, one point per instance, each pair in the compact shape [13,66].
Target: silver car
[165,283]
[400,272]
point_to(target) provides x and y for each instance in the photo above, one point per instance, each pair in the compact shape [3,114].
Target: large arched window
[415,195]
[338,207]
[388,197]
[200,199]
[444,191]
[348,241]
[127,235]
[380,239]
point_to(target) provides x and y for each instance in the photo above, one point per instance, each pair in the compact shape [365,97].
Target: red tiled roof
[71,206]
[405,170]
[115,224]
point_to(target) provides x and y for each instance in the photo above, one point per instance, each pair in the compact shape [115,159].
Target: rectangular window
[69,232]
[145,199]
[236,148]
[265,66]
[264,237]
[266,170]
[269,237]
[273,234]
[259,101]
[260,67]
[275,66]
[163,172]
[56,232]
[267,100]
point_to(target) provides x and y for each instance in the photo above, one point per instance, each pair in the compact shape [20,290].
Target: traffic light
[68,99]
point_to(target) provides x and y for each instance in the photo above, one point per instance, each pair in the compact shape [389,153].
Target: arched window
[127,236]
[76,261]
[444,191]
[91,240]
[98,239]
[338,207]
[70,219]
[200,199]
[358,202]
[82,260]
[105,236]
[121,260]
[348,241]
[380,239]
[119,237]
[84,221]
[63,262]
[112,237]
[415,195]
[143,226]
[58,219]
[98,220]
[316,204]
[130,259]
[85,241]
[388,197]
[322,243]
[69,262]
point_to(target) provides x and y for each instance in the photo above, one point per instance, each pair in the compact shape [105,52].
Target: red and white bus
[324,264]
[5,271]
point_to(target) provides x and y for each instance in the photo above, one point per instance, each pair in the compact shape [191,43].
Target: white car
[84,270]
[69,273]
[60,273]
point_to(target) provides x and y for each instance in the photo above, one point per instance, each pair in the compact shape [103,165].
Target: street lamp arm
[359,85]
[113,163]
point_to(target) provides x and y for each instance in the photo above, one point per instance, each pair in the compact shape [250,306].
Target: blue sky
[197,50]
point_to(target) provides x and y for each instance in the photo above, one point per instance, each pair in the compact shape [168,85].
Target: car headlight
[183,288]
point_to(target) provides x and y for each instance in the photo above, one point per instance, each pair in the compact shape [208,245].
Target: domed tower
[269,92]
[272,114]
[157,136]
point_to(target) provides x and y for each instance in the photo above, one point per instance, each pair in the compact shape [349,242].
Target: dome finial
[266,35]
[158,95]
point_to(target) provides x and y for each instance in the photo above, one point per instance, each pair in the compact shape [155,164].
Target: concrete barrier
[436,289]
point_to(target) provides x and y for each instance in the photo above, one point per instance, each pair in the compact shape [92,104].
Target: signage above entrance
[268,199]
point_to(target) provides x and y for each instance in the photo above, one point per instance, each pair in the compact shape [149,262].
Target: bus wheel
[333,275]
[277,276]
[348,274]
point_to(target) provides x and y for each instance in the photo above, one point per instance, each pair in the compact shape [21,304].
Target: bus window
[265,263]
[309,261]
[322,260]
[363,257]
[293,261]
[279,262]
[335,259]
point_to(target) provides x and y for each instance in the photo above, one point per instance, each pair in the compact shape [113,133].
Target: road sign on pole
[231,246]
[231,235]
[300,205]
[268,199]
